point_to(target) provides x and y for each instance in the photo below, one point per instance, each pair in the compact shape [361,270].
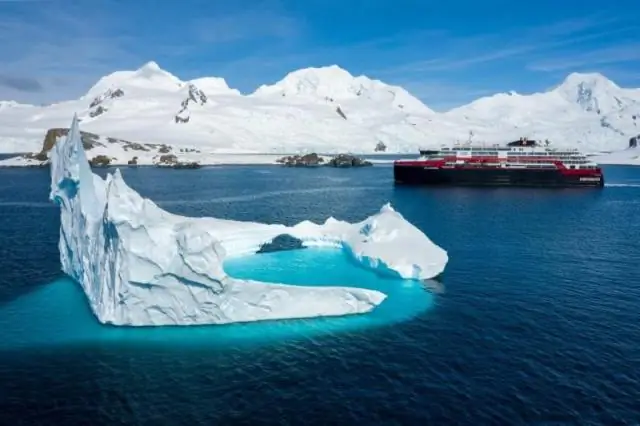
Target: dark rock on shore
[346,160]
[167,160]
[191,165]
[307,160]
[40,156]
[314,160]
[89,140]
[170,160]
[100,161]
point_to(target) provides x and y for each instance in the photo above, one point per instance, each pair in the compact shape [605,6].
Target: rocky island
[315,160]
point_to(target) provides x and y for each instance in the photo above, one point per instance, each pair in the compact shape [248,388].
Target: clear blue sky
[446,52]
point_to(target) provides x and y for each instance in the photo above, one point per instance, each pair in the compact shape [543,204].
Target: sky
[445,53]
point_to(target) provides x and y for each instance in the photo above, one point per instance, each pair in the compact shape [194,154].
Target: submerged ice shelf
[140,265]
[35,320]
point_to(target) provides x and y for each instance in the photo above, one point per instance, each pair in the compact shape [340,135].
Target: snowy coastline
[149,112]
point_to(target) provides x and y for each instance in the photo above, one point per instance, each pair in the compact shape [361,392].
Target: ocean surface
[534,322]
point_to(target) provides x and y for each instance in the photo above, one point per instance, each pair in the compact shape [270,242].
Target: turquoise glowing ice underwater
[58,313]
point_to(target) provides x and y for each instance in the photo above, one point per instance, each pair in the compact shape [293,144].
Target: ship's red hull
[426,173]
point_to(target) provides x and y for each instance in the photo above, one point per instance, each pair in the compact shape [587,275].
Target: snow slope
[325,110]
[586,111]
[140,265]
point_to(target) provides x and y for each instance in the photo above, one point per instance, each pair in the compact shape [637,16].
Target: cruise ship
[519,163]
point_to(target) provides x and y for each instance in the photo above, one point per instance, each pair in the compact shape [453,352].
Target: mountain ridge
[324,109]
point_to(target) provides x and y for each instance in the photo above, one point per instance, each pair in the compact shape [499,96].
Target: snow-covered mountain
[319,109]
[586,111]
[334,85]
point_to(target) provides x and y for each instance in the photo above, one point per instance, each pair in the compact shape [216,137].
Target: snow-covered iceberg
[140,265]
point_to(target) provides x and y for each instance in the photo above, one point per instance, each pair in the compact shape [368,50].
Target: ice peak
[591,91]
[334,84]
[148,76]
[591,79]
[387,208]
[151,70]
[150,66]
[329,81]
[329,72]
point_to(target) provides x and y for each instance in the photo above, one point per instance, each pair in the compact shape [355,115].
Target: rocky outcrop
[171,160]
[134,146]
[40,156]
[92,140]
[109,94]
[183,116]
[314,160]
[380,147]
[100,161]
[89,140]
[187,165]
[97,107]
[307,160]
[168,159]
[341,113]
[633,142]
[196,96]
[346,160]
[98,111]
[606,124]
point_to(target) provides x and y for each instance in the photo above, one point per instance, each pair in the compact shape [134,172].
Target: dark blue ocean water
[535,320]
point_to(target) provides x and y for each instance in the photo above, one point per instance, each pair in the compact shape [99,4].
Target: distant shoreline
[15,160]
[206,160]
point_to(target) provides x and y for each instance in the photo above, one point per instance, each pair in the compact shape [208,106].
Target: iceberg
[140,265]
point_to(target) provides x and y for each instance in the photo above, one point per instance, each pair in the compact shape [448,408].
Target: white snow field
[325,110]
[140,265]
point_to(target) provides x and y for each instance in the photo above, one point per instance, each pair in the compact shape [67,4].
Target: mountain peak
[150,66]
[148,76]
[329,72]
[591,79]
[328,81]
[334,84]
[151,70]
[593,92]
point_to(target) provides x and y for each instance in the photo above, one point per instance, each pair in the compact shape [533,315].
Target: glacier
[142,266]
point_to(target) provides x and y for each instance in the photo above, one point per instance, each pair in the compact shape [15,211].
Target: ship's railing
[513,149]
